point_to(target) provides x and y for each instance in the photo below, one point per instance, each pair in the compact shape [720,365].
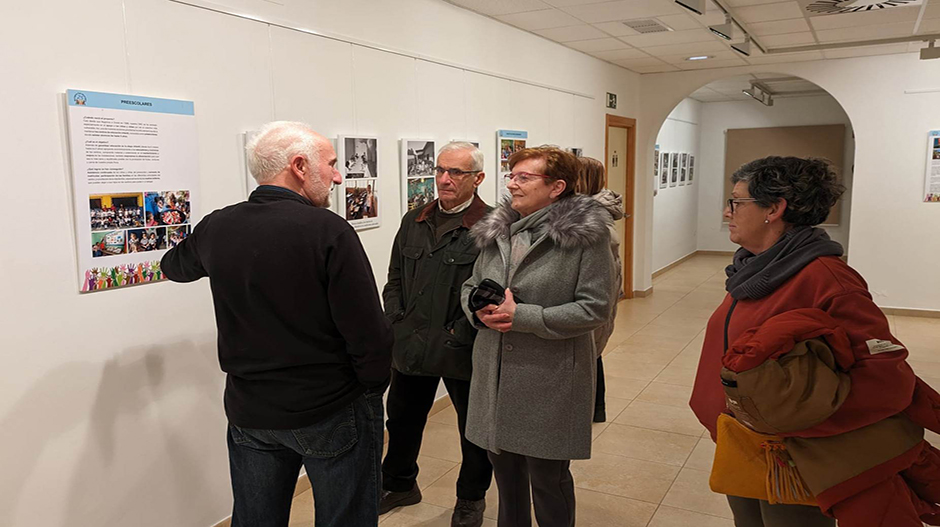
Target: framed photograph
[508,142]
[578,152]
[674,169]
[358,158]
[664,170]
[417,166]
[691,167]
[683,168]
[656,163]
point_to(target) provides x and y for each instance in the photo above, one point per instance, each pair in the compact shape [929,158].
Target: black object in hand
[486,293]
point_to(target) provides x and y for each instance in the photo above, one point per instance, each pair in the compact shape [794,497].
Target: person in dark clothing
[301,336]
[431,258]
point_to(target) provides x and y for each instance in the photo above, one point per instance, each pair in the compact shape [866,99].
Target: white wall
[110,403]
[675,209]
[892,103]
[719,117]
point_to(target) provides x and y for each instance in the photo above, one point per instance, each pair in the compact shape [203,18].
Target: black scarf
[754,276]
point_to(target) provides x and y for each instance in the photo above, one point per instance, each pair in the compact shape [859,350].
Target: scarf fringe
[784,483]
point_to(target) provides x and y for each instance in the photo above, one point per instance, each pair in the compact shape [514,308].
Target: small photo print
[167,208]
[936,142]
[143,240]
[664,171]
[420,158]
[420,192]
[361,158]
[109,243]
[505,149]
[691,167]
[517,145]
[361,200]
[176,234]
[504,166]
[576,151]
[683,168]
[116,211]
[674,169]
[936,153]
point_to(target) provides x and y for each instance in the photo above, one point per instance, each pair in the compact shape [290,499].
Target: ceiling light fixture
[743,48]
[696,6]
[930,52]
[758,94]
[700,57]
[726,30]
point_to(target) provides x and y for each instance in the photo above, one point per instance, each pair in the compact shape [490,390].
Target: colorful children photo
[167,208]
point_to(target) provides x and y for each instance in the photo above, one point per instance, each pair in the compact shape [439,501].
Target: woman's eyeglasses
[522,177]
[732,201]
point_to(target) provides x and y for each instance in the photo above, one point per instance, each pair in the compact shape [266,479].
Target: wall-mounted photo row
[673,169]
[417,164]
[358,157]
[683,168]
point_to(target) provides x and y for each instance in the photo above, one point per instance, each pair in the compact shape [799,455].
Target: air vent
[646,26]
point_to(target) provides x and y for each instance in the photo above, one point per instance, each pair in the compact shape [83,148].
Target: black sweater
[301,330]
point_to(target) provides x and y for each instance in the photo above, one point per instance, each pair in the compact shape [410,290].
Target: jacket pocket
[331,437]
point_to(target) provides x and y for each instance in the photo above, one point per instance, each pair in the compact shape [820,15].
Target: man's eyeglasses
[523,177]
[732,201]
[455,173]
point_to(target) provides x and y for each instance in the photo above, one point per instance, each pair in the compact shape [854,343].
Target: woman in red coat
[786,263]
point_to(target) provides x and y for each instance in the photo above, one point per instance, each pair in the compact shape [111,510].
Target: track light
[696,6]
[759,95]
[743,48]
[726,30]
[930,52]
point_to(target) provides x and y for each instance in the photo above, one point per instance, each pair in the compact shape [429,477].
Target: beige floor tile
[703,456]
[442,442]
[668,328]
[623,388]
[690,492]
[598,428]
[642,354]
[673,419]
[672,517]
[443,493]
[447,416]
[614,405]
[594,509]
[646,445]
[622,331]
[424,515]
[628,367]
[917,326]
[925,368]
[678,373]
[658,342]
[622,476]
[431,469]
[666,394]
[922,348]
[301,510]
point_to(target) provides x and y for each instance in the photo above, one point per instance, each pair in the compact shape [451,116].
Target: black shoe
[468,513]
[393,500]
[600,415]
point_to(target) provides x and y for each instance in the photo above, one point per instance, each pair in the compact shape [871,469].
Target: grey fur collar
[573,222]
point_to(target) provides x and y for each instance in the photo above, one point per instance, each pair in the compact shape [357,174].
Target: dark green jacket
[422,296]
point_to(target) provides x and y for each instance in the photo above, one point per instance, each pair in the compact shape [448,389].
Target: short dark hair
[810,186]
[558,165]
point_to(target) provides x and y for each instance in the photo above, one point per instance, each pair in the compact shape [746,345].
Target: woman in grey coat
[532,390]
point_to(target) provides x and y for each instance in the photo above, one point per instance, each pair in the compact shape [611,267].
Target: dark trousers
[410,398]
[552,490]
[342,455]
[601,391]
[749,512]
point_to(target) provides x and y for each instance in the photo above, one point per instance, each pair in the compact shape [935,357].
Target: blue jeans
[343,458]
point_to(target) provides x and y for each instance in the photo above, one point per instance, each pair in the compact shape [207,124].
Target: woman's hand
[499,318]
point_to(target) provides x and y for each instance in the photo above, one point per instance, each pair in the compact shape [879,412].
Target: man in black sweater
[301,335]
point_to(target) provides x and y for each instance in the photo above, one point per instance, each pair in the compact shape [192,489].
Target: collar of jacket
[574,222]
[268,193]
[474,212]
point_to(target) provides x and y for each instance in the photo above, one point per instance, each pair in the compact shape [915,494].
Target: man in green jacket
[432,256]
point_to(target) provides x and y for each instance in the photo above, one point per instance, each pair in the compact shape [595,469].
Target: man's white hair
[457,146]
[270,151]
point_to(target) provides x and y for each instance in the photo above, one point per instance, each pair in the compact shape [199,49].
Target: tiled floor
[651,460]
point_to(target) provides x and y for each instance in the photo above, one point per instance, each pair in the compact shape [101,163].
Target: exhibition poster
[932,177]
[508,142]
[360,197]
[418,187]
[134,175]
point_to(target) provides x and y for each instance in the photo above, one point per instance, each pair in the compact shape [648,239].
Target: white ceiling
[596,28]
[731,89]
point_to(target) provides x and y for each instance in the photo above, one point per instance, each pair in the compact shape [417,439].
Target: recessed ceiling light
[700,57]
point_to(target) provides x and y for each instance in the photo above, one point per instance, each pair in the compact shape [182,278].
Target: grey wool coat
[532,390]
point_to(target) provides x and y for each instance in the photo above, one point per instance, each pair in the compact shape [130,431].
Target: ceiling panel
[707,64]
[679,22]
[933,9]
[671,37]
[901,29]
[545,19]
[866,18]
[620,54]
[716,56]
[501,7]
[623,10]
[616,29]
[785,57]
[599,44]
[731,82]
[565,3]
[793,39]
[649,61]
[655,69]
[571,33]
[745,3]
[865,51]
[779,27]
[768,12]
[694,48]
[929,26]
